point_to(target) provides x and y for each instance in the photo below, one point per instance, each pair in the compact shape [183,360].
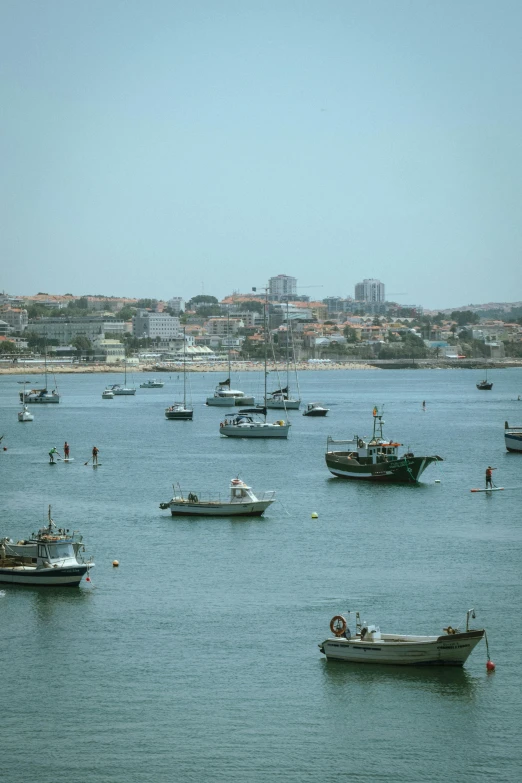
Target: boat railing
[331,441]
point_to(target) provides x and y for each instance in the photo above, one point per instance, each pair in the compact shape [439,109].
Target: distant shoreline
[222,367]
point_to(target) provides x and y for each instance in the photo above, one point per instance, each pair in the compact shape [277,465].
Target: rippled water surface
[197,659]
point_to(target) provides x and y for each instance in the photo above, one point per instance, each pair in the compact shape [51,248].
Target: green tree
[350,334]
[201,299]
[7,346]
[82,344]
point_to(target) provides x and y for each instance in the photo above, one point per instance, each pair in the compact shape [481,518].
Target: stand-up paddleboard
[493,489]
[98,465]
[68,459]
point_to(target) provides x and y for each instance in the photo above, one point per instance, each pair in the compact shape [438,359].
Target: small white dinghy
[242,502]
[368,645]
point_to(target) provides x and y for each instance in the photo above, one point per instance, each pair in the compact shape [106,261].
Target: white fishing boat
[241,502]
[180,411]
[24,414]
[108,394]
[513,437]
[315,409]
[366,644]
[50,557]
[252,422]
[152,384]
[224,396]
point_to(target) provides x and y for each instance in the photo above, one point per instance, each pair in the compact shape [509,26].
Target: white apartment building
[113,350]
[16,317]
[370,290]
[222,325]
[282,287]
[154,325]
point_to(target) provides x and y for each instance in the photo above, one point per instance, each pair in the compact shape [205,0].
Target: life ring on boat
[236,481]
[338,625]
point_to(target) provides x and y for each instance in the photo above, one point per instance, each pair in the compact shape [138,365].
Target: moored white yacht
[225,397]
[24,414]
[242,502]
[152,384]
[315,409]
[107,394]
[366,644]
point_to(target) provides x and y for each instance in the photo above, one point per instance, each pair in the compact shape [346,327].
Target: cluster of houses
[171,329]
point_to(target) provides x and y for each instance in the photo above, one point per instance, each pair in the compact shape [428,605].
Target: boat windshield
[60,550]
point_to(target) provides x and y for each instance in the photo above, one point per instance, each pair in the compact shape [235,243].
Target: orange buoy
[115,563]
[490,666]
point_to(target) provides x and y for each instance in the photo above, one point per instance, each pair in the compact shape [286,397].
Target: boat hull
[123,392]
[255,430]
[447,650]
[513,441]
[185,415]
[280,405]
[216,509]
[316,412]
[48,577]
[403,470]
[229,402]
[45,400]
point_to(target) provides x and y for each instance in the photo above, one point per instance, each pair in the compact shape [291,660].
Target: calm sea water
[197,659]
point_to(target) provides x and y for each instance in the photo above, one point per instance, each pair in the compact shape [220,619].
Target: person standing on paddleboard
[489,477]
[66,450]
[95,451]
[53,451]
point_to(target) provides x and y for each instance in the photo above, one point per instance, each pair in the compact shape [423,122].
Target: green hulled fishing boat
[376,459]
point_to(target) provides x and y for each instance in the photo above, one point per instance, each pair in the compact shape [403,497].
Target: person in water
[489,477]
[53,451]
[66,450]
[424,405]
[95,451]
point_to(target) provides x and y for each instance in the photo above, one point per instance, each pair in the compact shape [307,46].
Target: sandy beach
[222,367]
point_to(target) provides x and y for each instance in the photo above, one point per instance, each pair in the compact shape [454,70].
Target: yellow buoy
[315,515]
[115,563]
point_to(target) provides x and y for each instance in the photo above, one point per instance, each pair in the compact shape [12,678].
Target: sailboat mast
[287,354]
[228,342]
[266,338]
[184,371]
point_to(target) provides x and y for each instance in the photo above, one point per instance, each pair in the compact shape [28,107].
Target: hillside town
[369,328]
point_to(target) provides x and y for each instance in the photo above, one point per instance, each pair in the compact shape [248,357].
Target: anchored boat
[368,645]
[376,459]
[242,502]
[315,409]
[513,437]
[50,557]
[152,384]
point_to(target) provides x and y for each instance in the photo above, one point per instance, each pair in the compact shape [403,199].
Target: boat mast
[287,355]
[266,337]
[184,371]
[228,343]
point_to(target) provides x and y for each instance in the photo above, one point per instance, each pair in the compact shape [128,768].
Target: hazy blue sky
[170,148]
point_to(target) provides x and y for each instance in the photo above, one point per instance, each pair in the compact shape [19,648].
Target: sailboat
[485,385]
[280,399]
[41,395]
[251,422]
[117,389]
[180,410]
[224,396]
[24,414]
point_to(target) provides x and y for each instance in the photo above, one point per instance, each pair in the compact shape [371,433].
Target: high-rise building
[152,325]
[370,291]
[282,287]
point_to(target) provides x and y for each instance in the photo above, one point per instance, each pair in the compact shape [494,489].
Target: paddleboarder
[489,477]
[66,450]
[95,451]
[53,451]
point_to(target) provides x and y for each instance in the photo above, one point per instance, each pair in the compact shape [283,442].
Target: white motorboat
[251,422]
[180,411]
[513,438]
[368,645]
[315,409]
[152,384]
[51,557]
[107,394]
[24,414]
[242,502]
